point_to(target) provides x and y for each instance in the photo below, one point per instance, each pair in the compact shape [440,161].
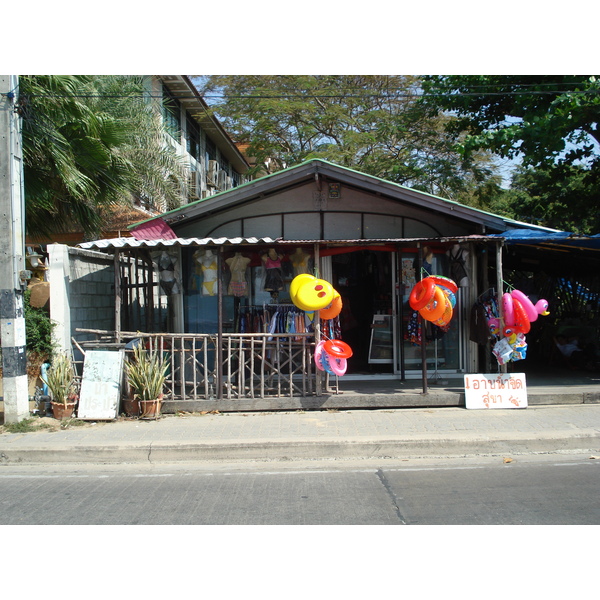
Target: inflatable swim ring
[435,309]
[422,293]
[338,349]
[331,312]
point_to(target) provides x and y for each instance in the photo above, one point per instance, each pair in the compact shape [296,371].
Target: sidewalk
[315,435]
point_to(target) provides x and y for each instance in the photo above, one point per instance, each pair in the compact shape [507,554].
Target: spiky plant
[146,373]
[60,379]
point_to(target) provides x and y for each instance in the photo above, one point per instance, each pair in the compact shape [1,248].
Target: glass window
[172,114]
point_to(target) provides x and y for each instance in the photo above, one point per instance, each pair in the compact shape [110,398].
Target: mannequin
[458,256]
[208,265]
[300,261]
[274,277]
[238,285]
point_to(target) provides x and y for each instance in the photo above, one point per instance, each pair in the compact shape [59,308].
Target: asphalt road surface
[551,490]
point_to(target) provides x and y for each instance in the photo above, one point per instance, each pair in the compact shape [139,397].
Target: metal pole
[499,281]
[421,322]
[12,261]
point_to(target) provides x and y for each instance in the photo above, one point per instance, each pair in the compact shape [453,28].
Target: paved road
[533,490]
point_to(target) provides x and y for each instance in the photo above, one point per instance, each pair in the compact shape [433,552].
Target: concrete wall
[81,292]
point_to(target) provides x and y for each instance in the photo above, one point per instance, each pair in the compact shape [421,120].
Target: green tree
[372,123]
[89,143]
[549,123]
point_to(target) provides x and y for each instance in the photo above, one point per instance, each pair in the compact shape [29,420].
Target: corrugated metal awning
[130,242]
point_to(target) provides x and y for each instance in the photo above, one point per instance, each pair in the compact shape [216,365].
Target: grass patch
[24,426]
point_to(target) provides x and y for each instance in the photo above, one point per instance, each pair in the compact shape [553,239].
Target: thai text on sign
[500,390]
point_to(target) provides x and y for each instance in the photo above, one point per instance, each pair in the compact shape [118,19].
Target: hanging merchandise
[519,312]
[434,299]
[309,293]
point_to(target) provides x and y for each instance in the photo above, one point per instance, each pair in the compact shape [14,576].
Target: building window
[172,114]
[211,151]
[193,137]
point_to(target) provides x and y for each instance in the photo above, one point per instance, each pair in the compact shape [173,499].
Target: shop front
[225,271]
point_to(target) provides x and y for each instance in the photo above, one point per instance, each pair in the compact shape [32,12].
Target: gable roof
[321,170]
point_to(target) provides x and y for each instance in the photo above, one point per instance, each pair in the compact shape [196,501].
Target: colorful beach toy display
[312,294]
[434,298]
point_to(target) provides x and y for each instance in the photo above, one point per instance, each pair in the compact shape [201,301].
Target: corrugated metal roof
[129,242]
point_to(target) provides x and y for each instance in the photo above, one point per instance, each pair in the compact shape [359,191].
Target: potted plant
[146,374]
[60,379]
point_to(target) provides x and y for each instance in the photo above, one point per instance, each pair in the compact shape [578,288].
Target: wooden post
[117,268]
[219,350]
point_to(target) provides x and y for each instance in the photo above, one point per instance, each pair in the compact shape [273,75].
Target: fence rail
[252,365]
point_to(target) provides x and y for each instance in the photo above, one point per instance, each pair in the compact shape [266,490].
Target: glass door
[443,351]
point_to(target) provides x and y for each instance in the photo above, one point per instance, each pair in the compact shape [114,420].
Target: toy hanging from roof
[519,312]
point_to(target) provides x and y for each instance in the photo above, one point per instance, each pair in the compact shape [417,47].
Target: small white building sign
[501,390]
[100,385]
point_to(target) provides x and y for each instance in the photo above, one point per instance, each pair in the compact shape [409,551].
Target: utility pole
[12,260]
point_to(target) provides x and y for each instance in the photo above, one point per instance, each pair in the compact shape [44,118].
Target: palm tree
[89,143]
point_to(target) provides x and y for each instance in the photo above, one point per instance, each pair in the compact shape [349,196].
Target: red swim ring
[422,293]
[337,348]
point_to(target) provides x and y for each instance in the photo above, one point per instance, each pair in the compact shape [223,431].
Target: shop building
[220,271]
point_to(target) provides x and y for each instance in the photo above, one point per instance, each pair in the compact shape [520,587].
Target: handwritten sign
[100,385]
[501,390]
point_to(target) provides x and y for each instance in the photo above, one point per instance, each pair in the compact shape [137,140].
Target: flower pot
[131,406]
[150,409]
[63,411]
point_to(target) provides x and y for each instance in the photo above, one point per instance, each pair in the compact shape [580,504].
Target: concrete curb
[441,446]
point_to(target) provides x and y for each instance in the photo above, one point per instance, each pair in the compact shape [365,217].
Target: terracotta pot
[131,406]
[150,409]
[63,411]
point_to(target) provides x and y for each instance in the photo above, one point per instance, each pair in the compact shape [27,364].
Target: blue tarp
[549,238]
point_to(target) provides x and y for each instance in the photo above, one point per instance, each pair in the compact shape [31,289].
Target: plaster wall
[307,213]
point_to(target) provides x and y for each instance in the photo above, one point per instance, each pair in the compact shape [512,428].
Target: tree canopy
[369,122]
[548,122]
[91,142]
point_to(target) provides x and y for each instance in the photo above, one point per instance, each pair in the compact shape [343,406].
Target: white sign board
[100,385]
[500,390]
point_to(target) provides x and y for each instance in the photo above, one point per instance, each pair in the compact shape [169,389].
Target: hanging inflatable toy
[318,355]
[532,310]
[325,364]
[310,293]
[446,317]
[422,293]
[337,365]
[444,282]
[435,309]
[332,311]
[337,348]
[521,319]
[508,310]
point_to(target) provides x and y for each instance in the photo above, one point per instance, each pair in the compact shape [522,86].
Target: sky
[317,37]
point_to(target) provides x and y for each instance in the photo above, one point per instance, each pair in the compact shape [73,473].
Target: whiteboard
[101,385]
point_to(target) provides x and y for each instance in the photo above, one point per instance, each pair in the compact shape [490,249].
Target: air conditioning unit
[194,186]
[211,175]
